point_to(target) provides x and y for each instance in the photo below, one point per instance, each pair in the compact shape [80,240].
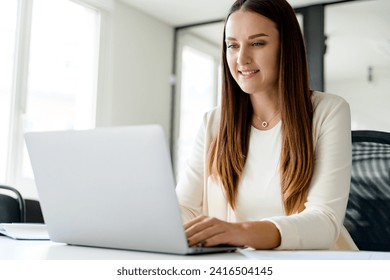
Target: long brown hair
[228,151]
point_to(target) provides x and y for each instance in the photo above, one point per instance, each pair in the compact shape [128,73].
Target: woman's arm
[208,231]
[318,226]
[189,188]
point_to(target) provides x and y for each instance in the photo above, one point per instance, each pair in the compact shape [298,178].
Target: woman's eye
[231,46]
[258,44]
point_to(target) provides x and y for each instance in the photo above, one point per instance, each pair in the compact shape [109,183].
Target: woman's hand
[209,231]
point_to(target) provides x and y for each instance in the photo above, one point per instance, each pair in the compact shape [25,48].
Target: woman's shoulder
[211,121]
[327,100]
[330,110]
[213,113]
[212,116]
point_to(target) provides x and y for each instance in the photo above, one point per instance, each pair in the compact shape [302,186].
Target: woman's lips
[248,73]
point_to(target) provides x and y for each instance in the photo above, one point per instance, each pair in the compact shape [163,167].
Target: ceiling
[184,12]
[358,31]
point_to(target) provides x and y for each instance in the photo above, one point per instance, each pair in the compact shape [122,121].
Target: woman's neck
[265,105]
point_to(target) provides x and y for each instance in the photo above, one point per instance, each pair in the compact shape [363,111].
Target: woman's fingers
[194,221]
[198,230]
[207,231]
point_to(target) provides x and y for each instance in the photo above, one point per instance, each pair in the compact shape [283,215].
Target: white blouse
[259,195]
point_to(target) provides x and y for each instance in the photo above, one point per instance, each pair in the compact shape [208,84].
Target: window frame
[19,91]
[186,38]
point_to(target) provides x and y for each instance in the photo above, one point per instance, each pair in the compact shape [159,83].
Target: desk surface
[11,249]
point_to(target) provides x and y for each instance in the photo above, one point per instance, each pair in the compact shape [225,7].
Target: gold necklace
[266,123]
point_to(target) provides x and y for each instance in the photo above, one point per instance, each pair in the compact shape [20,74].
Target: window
[198,88]
[8,17]
[59,89]
[197,97]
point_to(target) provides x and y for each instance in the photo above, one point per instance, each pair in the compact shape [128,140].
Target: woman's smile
[247,74]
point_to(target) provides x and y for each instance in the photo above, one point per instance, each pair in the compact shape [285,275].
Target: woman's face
[252,53]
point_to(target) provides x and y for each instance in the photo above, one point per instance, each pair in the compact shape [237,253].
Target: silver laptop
[109,187]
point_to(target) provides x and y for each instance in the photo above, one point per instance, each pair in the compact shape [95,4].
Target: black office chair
[15,209]
[368,211]
[12,210]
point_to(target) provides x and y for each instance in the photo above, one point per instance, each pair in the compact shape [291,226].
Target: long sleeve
[192,187]
[319,225]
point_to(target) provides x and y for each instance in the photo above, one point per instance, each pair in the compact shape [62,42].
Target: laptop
[110,187]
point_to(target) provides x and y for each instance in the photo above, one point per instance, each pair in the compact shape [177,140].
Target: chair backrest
[12,208]
[15,209]
[9,209]
[33,211]
[368,211]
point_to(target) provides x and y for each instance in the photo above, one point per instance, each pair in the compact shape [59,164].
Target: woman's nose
[243,57]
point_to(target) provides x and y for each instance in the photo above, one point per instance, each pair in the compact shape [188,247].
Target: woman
[271,167]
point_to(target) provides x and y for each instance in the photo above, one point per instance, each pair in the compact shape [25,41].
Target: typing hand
[208,231]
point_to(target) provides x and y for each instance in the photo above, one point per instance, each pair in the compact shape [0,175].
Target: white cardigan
[320,225]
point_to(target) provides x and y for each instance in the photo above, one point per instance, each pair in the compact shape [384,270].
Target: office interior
[157,62]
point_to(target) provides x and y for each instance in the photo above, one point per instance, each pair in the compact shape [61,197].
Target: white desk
[11,249]
[27,260]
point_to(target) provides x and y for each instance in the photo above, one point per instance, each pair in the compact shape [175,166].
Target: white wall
[369,101]
[136,71]
[354,44]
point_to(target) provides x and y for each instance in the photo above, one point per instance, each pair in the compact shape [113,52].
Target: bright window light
[198,95]
[8,16]
[62,70]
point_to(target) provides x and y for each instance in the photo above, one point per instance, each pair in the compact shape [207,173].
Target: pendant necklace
[266,123]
